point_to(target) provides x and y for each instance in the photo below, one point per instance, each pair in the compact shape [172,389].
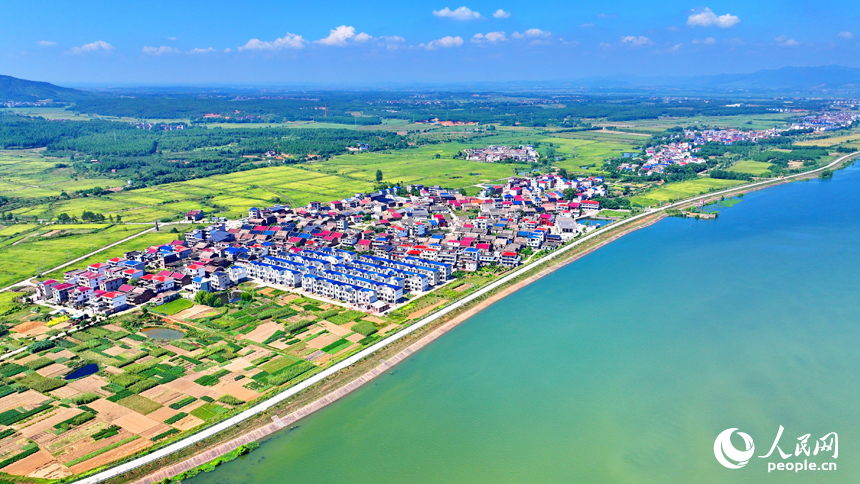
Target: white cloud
[846,35]
[228,50]
[92,47]
[675,48]
[444,42]
[160,50]
[636,41]
[362,37]
[605,45]
[588,25]
[501,14]
[531,34]
[707,18]
[46,43]
[289,41]
[786,41]
[707,41]
[203,51]
[607,15]
[491,37]
[171,38]
[392,42]
[462,13]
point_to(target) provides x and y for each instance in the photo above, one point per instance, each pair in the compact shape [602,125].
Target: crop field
[680,190]
[151,392]
[752,167]
[48,246]
[591,153]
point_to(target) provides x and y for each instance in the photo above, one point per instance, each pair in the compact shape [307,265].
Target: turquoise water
[624,366]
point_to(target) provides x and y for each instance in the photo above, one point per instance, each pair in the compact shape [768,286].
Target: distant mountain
[799,78]
[14,89]
[804,79]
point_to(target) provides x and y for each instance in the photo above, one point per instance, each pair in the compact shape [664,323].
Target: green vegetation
[365,328]
[173,307]
[336,346]
[179,416]
[210,466]
[107,432]
[756,168]
[30,449]
[182,403]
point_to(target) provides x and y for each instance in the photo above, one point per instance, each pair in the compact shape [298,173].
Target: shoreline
[348,383]
[280,423]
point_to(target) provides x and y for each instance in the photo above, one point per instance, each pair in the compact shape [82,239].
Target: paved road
[284,396]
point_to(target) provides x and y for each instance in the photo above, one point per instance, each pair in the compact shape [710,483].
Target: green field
[27,174]
[751,167]
[141,242]
[751,121]
[173,307]
[38,249]
[677,191]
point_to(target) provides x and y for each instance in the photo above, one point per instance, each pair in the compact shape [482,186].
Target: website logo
[725,451]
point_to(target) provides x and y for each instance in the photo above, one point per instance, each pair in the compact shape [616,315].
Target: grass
[677,191]
[173,307]
[208,411]
[139,404]
[751,167]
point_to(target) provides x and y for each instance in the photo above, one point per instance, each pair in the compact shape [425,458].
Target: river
[625,365]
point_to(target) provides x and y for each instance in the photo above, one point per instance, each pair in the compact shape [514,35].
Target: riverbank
[332,384]
[279,423]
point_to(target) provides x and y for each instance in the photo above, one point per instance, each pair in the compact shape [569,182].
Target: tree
[64,218]
[378,176]
[462,191]
[562,172]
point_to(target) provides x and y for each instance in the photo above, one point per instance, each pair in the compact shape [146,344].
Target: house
[201,284]
[194,215]
[220,281]
[139,295]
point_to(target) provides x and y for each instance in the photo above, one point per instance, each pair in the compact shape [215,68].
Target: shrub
[40,346]
[164,434]
[231,400]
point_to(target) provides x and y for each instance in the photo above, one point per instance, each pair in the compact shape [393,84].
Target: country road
[289,393]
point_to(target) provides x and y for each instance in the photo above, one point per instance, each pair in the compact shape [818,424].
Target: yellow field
[830,141]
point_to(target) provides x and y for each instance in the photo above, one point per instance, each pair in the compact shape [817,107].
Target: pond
[593,222]
[83,371]
[162,333]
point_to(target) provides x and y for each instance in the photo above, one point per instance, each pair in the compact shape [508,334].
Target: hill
[14,89]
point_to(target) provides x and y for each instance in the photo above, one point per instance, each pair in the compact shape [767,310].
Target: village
[370,252]
[493,154]
[657,158]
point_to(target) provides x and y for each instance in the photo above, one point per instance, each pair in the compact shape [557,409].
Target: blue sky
[333,41]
